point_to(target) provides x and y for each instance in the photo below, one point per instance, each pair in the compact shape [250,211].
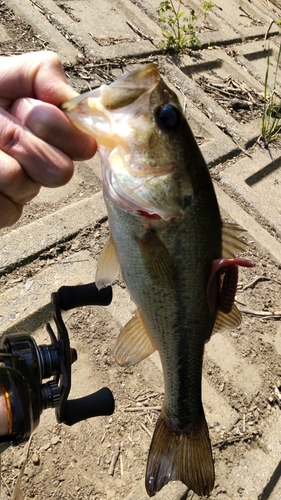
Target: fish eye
[168,117]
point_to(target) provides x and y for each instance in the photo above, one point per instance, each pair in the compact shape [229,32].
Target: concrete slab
[23,244]
[227,23]
[105,32]
[86,179]
[235,368]
[257,57]
[245,18]
[277,340]
[4,35]
[218,147]
[215,32]
[216,66]
[262,238]
[263,484]
[219,413]
[257,181]
[100,29]
[107,25]
[33,16]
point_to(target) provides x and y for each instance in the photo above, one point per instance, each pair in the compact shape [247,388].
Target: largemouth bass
[177,258]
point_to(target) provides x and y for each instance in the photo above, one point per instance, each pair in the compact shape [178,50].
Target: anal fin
[175,456]
[134,342]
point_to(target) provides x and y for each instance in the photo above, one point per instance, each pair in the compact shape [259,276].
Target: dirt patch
[244,103]
[22,36]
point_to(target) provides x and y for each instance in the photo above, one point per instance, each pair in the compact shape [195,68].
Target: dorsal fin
[108,265]
[231,243]
[134,342]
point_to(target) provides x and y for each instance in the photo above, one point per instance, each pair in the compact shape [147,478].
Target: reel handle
[94,405]
[84,295]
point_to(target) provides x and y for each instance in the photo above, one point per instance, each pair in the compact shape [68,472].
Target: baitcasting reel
[24,365]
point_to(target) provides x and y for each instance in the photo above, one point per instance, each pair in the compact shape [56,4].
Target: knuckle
[11,136]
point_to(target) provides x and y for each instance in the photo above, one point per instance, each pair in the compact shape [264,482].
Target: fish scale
[174,253]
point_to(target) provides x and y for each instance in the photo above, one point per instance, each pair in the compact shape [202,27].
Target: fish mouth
[138,160]
[99,111]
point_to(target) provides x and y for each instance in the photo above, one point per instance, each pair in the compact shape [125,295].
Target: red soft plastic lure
[228,267]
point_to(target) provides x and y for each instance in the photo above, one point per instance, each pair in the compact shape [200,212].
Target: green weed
[181,34]
[206,8]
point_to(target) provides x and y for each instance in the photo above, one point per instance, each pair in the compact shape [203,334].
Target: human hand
[37,142]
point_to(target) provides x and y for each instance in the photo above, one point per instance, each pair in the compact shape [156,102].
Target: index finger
[39,75]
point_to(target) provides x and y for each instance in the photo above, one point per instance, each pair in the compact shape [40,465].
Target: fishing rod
[24,366]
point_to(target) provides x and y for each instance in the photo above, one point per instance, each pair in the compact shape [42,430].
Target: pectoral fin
[134,342]
[108,265]
[157,260]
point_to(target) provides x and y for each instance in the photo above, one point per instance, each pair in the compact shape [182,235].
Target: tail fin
[180,457]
